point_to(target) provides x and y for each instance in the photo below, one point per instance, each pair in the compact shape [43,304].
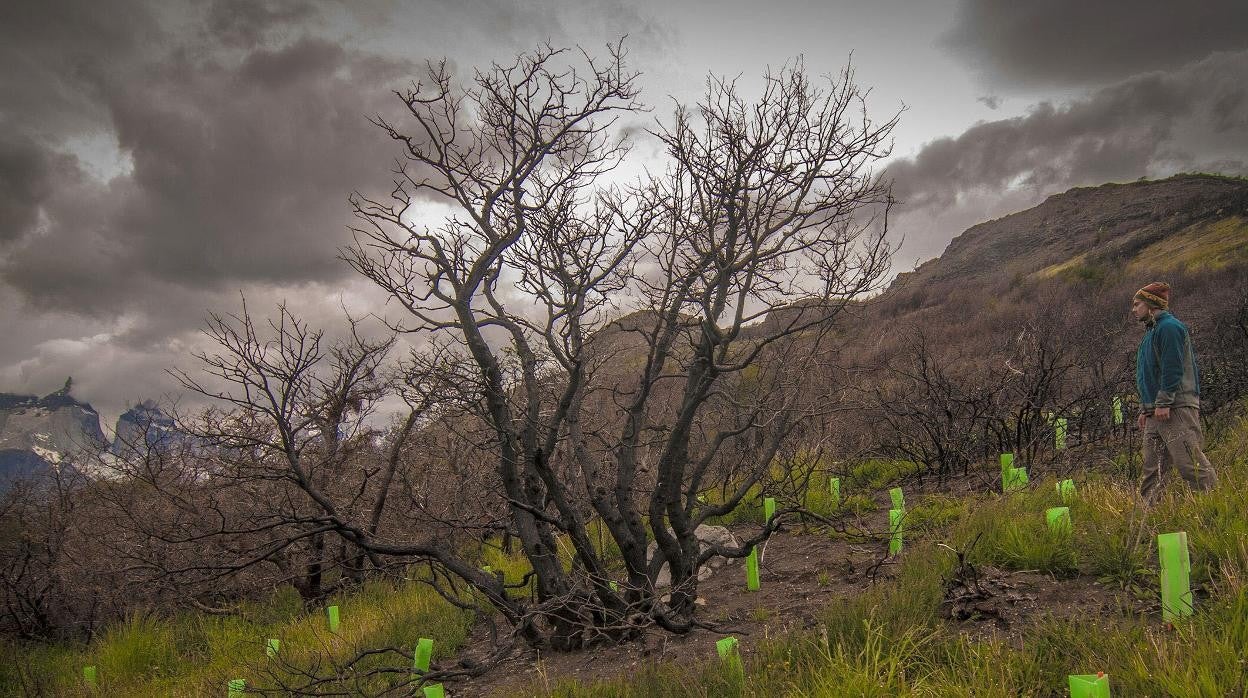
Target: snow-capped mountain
[57,432]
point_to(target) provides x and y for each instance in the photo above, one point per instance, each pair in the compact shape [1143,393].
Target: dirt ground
[801,573]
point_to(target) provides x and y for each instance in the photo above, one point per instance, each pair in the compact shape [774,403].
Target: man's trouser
[1175,443]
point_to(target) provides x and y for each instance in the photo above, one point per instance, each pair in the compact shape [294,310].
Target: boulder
[707,535]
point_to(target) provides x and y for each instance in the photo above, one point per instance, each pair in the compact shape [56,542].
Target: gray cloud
[991,101]
[240,169]
[1152,125]
[28,175]
[246,23]
[157,159]
[1076,42]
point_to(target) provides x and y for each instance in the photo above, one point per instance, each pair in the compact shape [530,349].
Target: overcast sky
[159,158]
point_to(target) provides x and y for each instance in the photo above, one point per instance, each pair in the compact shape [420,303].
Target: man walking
[1168,381]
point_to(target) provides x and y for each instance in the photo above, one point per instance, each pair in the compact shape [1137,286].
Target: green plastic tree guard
[434,691]
[1059,519]
[1176,568]
[834,489]
[895,517]
[1118,410]
[1014,479]
[331,613]
[730,654]
[272,647]
[1059,433]
[236,688]
[88,676]
[1089,685]
[613,585]
[1066,488]
[422,655]
[751,571]
[769,509]
[1008,473]
[1020,478]
[899,500]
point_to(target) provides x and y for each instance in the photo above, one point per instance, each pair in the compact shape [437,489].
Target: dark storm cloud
[247,22]
[53,53]
[240,165]
[1150,125]
[28,177]
[158,158]
[1077,42]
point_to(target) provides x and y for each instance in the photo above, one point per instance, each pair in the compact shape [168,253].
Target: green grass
[196,654]
[859,504]
[879,473]
[935,513]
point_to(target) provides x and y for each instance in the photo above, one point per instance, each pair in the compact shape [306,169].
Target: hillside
[1183,223]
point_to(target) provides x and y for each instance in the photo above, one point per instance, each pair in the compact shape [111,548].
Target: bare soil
[800,575]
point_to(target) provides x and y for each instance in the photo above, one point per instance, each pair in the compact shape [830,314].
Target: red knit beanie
[1156,294]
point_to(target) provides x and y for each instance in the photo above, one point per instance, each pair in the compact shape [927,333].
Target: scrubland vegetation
[890,639]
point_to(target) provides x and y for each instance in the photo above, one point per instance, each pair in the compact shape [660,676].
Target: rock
[39,435]
[707,535]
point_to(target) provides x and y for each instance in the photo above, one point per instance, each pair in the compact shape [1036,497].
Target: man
[1169,385]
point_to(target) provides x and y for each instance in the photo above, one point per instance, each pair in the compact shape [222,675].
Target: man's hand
[1140,422]
[1161,414]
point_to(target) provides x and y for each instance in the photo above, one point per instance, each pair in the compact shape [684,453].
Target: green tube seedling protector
[895,517]
[88,675]
[1011,478]
[1014,479]
[272,647]
[730,654]
[422,655]
[834,489]
[899,500]
[1020,478]
[236,688]
[1066,488]
[1176,568]
[331,614]
[769,509]
[1059,433]
[751,571]
[434,691]
[1089,685]
[1117,410]
[1059,519]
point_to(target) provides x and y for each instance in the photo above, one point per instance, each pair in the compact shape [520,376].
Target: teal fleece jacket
[1166,374]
